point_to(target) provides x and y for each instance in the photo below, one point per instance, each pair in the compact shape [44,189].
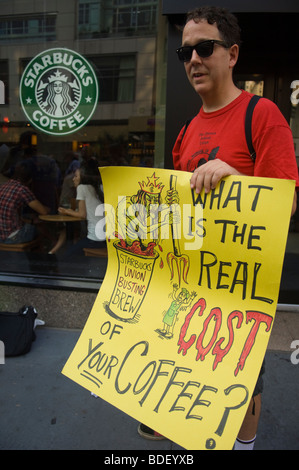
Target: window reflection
[28,28]
[119,39]
[254,85]
[293,240]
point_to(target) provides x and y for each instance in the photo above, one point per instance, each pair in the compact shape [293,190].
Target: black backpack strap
[186,127]
[248,120]
[248,128]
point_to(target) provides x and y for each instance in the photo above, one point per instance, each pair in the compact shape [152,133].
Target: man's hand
[207,176]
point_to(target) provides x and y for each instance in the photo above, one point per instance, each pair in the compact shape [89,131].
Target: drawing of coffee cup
[133,279]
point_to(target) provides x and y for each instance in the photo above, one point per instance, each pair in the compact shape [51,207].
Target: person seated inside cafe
[15,197]
[89,196]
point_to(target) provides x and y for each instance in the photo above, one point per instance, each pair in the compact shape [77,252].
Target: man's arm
[38,207]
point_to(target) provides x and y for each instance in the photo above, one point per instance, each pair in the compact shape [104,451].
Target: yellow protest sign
[180,326]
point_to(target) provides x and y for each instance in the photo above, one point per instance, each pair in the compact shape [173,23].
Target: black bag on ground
[17,330]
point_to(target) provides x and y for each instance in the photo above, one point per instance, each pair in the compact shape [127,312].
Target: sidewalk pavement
[41,409]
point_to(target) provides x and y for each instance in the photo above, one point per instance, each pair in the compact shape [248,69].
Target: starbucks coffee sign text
[59,91]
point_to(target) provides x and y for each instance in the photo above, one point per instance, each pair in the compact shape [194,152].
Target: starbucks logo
[59,91]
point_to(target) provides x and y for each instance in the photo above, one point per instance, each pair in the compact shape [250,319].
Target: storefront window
[116,74]
[135,16]
[117,18]
[16,27]
[293,241]
[120,42]
[294,121]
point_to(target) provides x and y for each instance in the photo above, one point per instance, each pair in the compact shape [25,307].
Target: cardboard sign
[180,326]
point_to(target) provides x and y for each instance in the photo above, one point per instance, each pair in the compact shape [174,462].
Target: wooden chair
[98,252]
[28,246]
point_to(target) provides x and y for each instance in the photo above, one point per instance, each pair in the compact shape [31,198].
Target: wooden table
[63,218]
[60,218]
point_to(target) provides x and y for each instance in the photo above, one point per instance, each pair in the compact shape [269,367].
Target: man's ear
[234,54]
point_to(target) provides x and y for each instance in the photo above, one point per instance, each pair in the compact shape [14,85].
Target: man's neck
[216,101]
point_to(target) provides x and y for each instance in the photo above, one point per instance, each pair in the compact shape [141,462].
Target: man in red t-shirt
[216,135]
[214,144]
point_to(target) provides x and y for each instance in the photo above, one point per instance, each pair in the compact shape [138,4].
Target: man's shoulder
[11,185]
[268,112]
[263,104]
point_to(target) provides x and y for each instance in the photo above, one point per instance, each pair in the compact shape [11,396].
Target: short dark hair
[22,173]
[226,22]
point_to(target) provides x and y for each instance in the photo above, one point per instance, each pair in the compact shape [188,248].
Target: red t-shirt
[221,134]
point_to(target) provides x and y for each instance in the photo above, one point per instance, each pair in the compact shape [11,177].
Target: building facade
[119,39]
[143,96]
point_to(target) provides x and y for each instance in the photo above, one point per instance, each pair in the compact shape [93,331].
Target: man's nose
[195,57]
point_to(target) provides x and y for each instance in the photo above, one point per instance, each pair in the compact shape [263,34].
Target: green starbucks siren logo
[59,91]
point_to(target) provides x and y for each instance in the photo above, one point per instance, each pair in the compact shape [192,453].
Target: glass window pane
[119,41]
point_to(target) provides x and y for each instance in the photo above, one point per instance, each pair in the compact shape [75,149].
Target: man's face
[209,75]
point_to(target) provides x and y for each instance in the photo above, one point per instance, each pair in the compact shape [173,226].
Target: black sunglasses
[203,49]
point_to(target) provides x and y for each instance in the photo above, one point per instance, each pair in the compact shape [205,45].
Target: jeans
[26,234]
